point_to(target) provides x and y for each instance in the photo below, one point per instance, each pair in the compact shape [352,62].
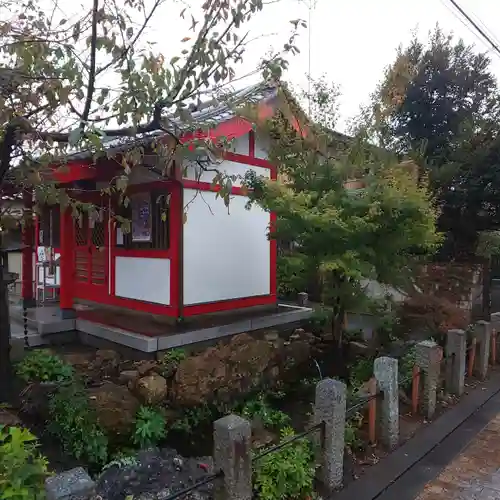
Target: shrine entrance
[92,255]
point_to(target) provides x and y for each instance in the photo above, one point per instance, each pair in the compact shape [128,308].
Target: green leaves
[23,469]
[345,236]
[150,427]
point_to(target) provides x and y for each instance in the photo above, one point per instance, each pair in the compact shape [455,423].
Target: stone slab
[129,339]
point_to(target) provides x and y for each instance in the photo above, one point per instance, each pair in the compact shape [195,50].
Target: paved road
[474,474]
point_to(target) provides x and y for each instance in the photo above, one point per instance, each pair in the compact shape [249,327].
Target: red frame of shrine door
[91,259]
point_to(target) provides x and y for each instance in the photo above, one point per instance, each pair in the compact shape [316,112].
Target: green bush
[291,276]
[22,468]
[260,409]
[287,473]
[320,320]
[149,427]
[43,366]
[74,423]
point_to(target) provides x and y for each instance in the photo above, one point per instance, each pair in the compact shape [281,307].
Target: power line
[462,21]
[476,26]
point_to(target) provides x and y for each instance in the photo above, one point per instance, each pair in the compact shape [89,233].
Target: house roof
[211,112]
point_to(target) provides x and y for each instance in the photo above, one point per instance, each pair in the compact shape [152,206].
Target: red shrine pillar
[66,264]
[28,241]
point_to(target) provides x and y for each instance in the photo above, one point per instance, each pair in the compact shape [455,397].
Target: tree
[75,83]
[439,102]
[348,236]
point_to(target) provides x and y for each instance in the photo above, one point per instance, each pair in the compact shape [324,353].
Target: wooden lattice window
[148,214]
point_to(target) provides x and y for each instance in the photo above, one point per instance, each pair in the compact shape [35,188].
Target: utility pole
[311,5]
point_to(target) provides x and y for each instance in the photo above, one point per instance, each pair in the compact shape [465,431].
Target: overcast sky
[352,41]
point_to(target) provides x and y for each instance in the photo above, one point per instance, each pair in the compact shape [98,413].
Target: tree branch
[92,67]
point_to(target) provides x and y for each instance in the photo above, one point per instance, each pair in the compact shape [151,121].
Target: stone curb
[381,476]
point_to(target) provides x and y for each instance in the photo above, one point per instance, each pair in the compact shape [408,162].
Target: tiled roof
[215,111]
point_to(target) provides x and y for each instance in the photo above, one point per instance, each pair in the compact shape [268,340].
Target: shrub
[22,468]
[290,275]
[433,314]
[287,473]
[149,427]
[170,361]
[43,366]
[259,409]
[74,423]
[320,320]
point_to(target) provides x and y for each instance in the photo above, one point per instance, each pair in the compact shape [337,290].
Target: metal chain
[25,324]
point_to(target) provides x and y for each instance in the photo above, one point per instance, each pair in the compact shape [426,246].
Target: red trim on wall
[247,160]
[74,171]
[206,186]
[141,252]
[67,260]
[251,144]
[228,305]
[231,129]
[100,296]
[273,244]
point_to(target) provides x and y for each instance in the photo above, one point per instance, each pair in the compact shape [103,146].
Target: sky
[351,41]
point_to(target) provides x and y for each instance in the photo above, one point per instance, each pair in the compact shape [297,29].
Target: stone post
[456,345]
[428,358]
[232,455]
[385,371]
[482,332]
[70,484]
[303,299]
[330,408]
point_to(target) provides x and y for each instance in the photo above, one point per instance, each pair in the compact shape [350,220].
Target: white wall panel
[193,171]
[226,255]
[146,279]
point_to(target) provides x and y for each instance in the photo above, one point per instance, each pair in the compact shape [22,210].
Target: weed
[42,366]
[259,409]
[22,468]
[74,423]
[150,427]
[287,473]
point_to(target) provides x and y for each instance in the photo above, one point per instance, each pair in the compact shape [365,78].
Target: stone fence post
[456,345]
[330,408]
[428,358]
[303,299]
[385,371]
[233,456]
[482,332]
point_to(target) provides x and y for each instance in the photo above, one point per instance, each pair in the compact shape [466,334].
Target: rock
[127,376]
[70,484]
[36,397]
[306,336]
[9,419]
[143,367]
[232,368]
[360,349]
[107,356]
[115,406]
[152,389]
[78,359]
[271,336]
